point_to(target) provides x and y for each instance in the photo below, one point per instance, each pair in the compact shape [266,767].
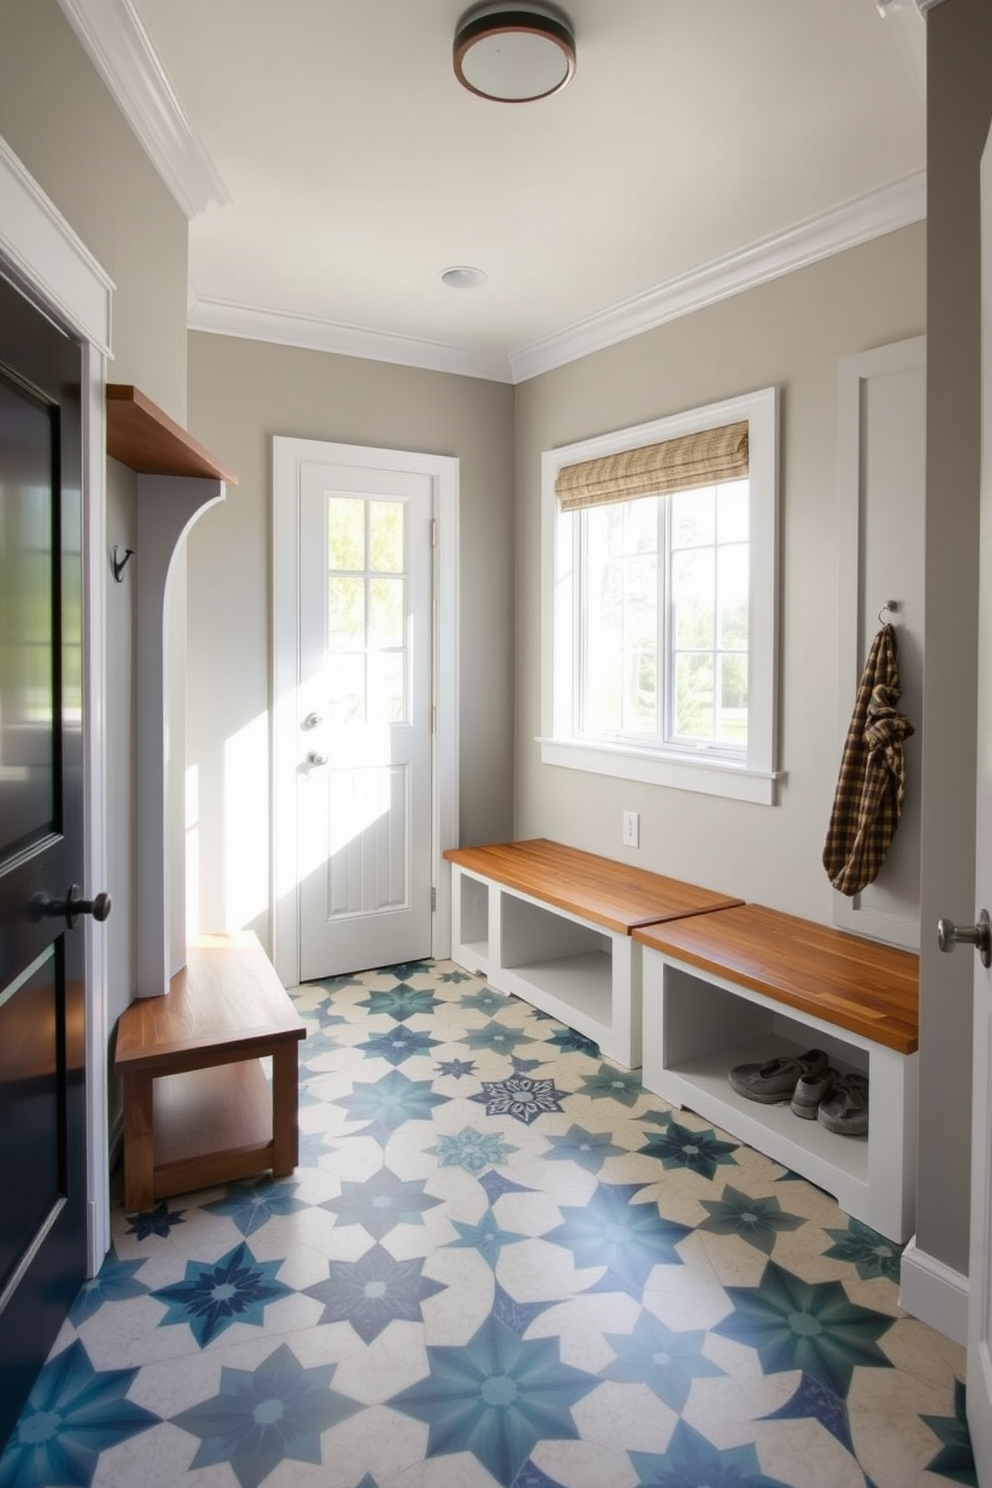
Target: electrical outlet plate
[631,829]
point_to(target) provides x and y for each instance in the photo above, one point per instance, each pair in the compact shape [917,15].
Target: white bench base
[697,1025]
[586,976]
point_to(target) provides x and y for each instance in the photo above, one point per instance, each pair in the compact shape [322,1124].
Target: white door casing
[980,1261]
[364,681]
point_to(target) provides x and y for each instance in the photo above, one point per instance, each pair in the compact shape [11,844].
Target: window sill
[709,777]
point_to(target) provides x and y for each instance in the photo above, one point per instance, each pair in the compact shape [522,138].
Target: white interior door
[365,704]
[980,1267]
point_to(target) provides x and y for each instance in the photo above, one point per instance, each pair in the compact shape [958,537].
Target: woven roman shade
[656,469]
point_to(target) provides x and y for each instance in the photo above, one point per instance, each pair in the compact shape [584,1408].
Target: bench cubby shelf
[552,925]
[749,984]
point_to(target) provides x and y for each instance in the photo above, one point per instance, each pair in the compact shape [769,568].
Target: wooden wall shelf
[146,440]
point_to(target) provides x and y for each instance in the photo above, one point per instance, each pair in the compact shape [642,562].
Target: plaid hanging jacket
[872,781]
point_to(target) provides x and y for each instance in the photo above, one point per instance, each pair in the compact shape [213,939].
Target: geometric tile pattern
[500,1262]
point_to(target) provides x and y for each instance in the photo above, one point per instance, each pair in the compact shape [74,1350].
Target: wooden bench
[198,1109]
[554,925]
[749,983]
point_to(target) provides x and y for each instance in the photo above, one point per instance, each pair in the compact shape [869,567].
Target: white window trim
[754,779]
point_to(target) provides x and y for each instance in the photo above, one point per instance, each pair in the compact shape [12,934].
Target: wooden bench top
[867,988]
[227,996]
[599,889]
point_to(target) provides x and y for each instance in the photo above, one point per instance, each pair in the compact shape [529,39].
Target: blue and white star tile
[685,1313]
[496,1397]
[73,1415]
[237,1288]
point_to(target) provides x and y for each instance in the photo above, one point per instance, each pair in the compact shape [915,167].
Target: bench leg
[285,1109]
[139,1154]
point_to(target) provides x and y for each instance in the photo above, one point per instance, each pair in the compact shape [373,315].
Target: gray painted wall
[58,117]
[791,333]
[241,393]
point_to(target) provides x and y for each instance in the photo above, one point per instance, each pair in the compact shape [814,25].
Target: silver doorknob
[312,721]
[980,936]
[313,758]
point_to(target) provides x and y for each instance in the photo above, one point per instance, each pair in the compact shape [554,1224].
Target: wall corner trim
[121,51]
[934,1293]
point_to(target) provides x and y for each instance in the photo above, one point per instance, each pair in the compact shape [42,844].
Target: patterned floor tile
[500,1264]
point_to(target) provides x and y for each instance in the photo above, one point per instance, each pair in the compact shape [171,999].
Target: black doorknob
[72,906]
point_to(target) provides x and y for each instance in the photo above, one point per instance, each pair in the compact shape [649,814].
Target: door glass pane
[386,536]
[386,616]
[367,610]
[27,657]
[346,614]
[345,533]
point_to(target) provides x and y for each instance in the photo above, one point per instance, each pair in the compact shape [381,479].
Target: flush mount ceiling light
[514,53]
[462,276]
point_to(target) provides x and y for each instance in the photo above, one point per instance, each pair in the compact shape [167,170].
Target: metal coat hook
[890,604]
[118,565]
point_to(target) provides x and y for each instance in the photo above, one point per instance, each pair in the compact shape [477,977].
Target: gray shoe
[774,1081]
[809,1092]
[845,1109]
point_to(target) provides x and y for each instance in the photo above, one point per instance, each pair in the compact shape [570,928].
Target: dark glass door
[42,995]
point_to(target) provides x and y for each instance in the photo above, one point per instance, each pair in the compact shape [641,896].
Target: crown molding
[224,318]
[122,53]
[872,215]
[52,266]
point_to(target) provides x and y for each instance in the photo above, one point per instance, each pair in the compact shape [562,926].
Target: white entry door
[980,1265]
[357,725]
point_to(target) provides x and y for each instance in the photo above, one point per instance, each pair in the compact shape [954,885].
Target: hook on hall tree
[118,565]
[891,605]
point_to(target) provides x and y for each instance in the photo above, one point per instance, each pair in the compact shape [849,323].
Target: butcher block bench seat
[553,925]
[750,983]
[198,1109]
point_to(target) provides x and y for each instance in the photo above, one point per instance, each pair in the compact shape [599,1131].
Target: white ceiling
[702,145]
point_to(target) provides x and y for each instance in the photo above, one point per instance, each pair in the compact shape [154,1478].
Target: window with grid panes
[659,646]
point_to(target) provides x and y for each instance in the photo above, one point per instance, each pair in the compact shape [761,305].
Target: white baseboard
[934,1293]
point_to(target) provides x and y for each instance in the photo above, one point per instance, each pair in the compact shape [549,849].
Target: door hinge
[433,532]
[433,900]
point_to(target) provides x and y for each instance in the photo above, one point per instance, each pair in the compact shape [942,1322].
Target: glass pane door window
[367,651]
